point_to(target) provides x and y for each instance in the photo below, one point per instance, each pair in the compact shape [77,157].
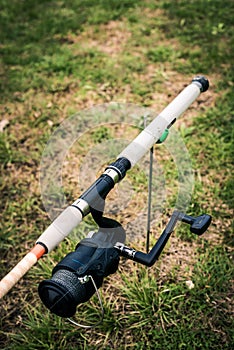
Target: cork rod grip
[20,269]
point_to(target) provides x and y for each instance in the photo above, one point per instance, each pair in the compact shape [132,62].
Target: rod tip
[202,82]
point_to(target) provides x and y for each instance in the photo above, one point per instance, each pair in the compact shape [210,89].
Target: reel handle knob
[198,224]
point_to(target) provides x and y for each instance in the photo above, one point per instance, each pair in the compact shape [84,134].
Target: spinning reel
[76,278]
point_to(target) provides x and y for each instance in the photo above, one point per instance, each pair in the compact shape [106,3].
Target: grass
[59,58]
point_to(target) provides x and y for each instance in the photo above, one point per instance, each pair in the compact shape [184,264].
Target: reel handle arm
[198,225]
[148,259]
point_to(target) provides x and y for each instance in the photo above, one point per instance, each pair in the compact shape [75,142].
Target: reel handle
[198,225]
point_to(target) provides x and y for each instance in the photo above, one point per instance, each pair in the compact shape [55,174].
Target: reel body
[98,256]
[70,284]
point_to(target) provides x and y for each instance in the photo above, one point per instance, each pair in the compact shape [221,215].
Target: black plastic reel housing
[70,284]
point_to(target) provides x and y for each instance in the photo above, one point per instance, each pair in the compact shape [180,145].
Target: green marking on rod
[164,136]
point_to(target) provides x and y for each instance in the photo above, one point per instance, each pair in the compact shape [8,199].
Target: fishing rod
[79,275]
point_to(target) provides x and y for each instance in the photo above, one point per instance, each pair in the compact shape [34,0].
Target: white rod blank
[152,133]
